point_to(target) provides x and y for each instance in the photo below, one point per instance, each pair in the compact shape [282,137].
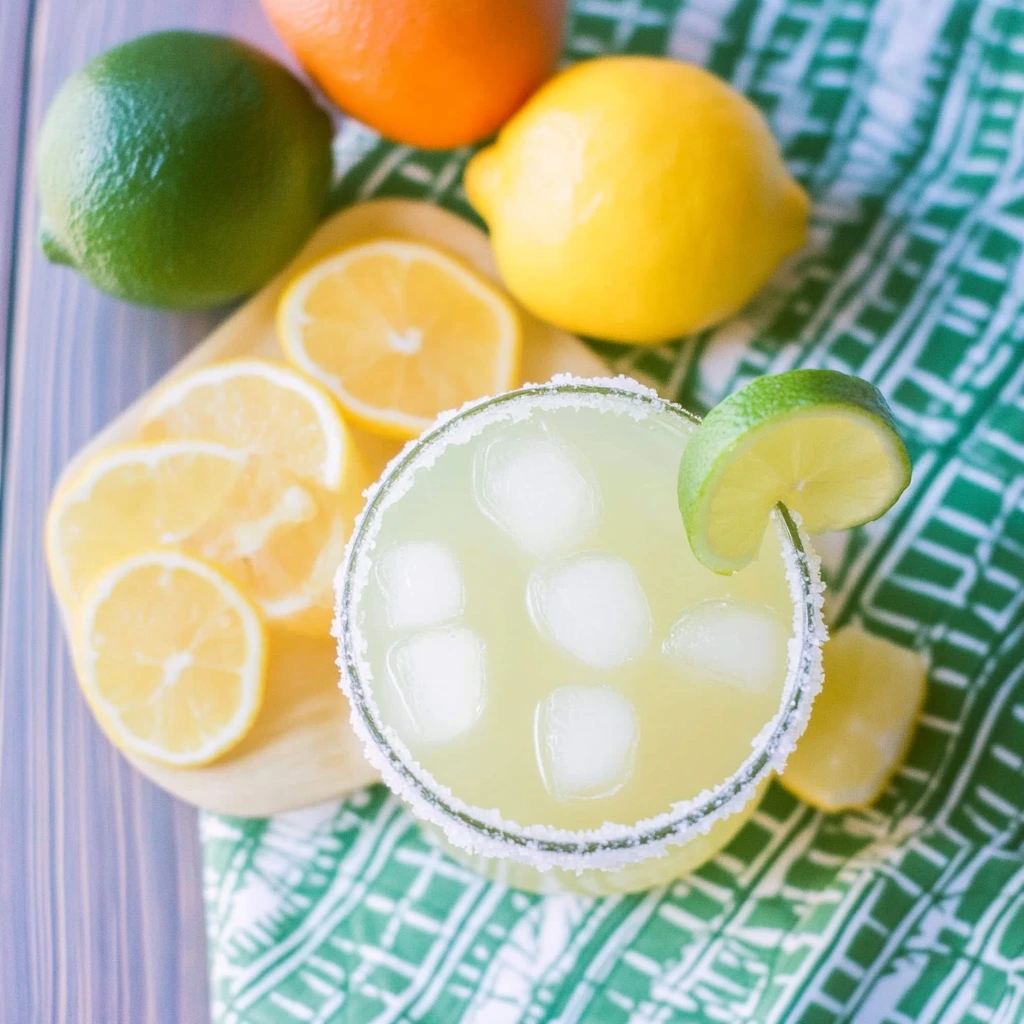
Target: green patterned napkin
[905,121]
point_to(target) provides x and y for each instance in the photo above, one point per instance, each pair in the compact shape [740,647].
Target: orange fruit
[429,73]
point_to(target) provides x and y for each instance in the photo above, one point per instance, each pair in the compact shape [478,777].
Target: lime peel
[823,443]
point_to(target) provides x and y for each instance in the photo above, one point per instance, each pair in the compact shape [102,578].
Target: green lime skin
[768,402]
[181,170]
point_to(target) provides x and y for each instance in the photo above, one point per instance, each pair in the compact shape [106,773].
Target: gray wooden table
[100,907]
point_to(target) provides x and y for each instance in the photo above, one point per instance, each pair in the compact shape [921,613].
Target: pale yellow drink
[530,635]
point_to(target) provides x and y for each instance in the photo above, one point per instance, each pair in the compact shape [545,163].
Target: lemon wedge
[862,723]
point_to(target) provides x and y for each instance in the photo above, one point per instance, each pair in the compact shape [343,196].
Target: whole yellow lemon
[636,199]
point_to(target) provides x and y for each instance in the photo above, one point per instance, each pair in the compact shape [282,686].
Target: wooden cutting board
[301,749]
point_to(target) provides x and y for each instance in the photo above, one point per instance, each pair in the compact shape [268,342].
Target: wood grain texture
[15,22]
[100,908]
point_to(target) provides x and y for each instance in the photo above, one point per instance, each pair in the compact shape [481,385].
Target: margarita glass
[539,666]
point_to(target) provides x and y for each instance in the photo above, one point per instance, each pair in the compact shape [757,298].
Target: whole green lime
[181,170]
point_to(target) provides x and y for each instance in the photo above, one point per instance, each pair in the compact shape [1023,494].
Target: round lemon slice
[171,657]
[260,406]
[399,331]
[279,536]
[282,530]
[862,723]
[132,497]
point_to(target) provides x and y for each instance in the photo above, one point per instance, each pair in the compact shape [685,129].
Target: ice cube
[593,606]
[440,675]
[422,584]
[736,642]
[586,739]
[538,490]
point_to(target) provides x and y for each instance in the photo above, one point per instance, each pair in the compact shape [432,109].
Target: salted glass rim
[485,831]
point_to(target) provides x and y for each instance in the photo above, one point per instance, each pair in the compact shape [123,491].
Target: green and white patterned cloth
[905,121]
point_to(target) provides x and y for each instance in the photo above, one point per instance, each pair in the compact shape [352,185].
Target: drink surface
[540,636]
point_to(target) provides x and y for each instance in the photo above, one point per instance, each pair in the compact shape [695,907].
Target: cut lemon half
[399,331]
[862,722]
[133,497]
[260,406]
[171,657]
[821,442]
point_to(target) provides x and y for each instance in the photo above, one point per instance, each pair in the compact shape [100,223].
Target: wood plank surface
[100,909]
[15,18]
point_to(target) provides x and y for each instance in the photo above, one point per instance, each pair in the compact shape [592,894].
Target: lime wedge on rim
[821,442]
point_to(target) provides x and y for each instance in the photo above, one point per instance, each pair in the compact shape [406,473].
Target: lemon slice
[171,657]
[399,331]
[281,532]
[275,534]
[823,443]
[281,538]
[133,497]
[862,723]
[259,406]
